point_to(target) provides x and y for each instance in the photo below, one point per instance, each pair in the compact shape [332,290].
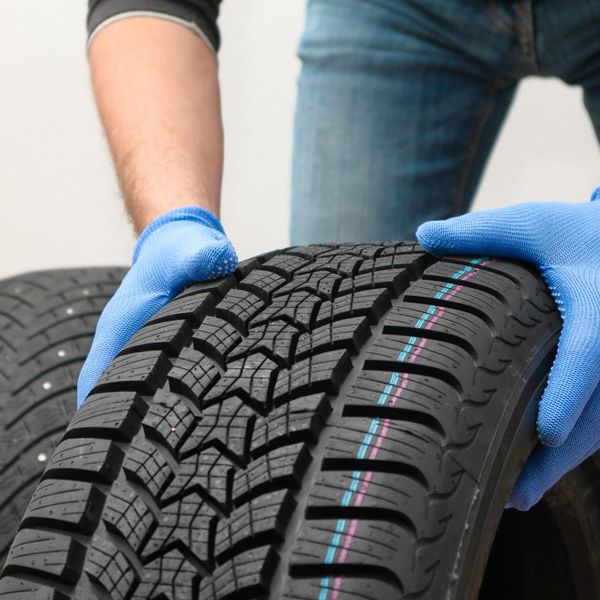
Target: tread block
[488,308]
[370,303]
[126,513]
[168,336]
[298,308]
[19,449]
[286,263]
[506,290]
[12,512]
[301,419]
[19,589]
[216,287]
[74,336]
[50,356]
[350,334]
[347,587]
[143,371]
[228,425]
[168,577]
[320,283]
[85,459]
[116,416]
[110,569]
[207,473]
[72,504]
[391,279]
[46,554]
[394,261]
[365,494]
[371,547]
[239,306]
[38,392]
[342,263]
[247,575]
[260,520]
[518,272]
[57,309]
[318,538]
[404,350]
[364,250]
[215,338]
[252,377]
[190,371]
[282,468]
[414,398]
[266,281]
[190,305]
[453,324]
[322,372]
[145,465]
[187,522]
[380,444]
[168,419]
[311,250]
[276,339]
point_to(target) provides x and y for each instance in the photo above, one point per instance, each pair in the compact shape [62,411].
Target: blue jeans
[400,102]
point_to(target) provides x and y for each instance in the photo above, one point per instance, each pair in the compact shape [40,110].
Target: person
[399,104]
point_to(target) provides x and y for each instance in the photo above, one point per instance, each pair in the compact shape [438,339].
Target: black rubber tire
[47,320]
[332,423]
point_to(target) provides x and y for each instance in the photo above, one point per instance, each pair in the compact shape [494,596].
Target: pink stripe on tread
[364,485]
[337,583]
[398,392]
[379,440]
[360,494]
[399,389]
[436,317]
[363,488]
[417,351]
[453,291]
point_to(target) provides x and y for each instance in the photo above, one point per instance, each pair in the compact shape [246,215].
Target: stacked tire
[335,422]
[47,322]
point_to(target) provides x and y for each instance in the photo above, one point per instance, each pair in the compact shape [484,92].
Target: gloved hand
[178,248]
[563,241]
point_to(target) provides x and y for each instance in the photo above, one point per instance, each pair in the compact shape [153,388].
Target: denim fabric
[400,102]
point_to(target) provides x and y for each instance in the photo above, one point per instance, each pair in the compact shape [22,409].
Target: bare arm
[157,90]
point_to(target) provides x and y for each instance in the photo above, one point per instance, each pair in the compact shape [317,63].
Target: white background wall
[59,203]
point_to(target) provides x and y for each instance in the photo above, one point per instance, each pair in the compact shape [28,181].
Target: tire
[47,320]
[332,422]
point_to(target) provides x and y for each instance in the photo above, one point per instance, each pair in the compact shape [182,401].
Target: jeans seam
[526,35]
[496,19]
[471,149]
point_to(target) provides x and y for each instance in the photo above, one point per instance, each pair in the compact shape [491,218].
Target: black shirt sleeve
[198,14]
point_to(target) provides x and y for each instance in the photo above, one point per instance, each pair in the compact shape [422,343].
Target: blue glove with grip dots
[563,241]
[181,247]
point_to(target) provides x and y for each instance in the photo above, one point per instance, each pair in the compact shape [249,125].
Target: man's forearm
[157,90]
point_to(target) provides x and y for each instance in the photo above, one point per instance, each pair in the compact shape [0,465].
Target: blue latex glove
[181,247]
[563,241]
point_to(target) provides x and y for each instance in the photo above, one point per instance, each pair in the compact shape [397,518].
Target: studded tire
[47,321]
[340,422]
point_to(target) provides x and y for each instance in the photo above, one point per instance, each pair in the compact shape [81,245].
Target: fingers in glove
[212,261]
[123,316]
[547,465]
[575,373]
[507,232]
